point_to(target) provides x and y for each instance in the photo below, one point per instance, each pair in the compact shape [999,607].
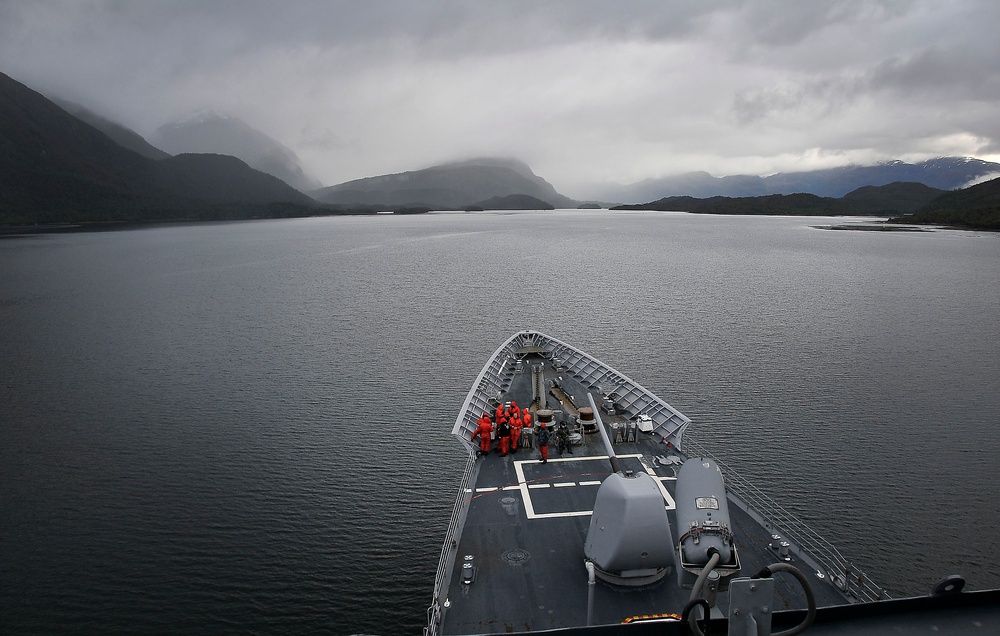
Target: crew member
[483,431]
[562,438]
[543,442]
[515,432]
[503,432]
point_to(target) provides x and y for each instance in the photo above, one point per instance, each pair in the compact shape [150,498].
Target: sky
[585,92]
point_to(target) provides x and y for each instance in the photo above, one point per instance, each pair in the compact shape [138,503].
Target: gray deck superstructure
[514,561]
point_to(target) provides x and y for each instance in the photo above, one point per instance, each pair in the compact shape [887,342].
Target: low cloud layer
[585,92]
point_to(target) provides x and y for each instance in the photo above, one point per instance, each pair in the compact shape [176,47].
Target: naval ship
[628,528]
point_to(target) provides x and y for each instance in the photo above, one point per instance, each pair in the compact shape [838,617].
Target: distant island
[515,202]
[976,207]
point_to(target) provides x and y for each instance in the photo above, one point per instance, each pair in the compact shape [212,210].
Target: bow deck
[522,524]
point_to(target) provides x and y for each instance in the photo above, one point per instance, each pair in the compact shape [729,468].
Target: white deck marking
[524,486]
[671,504]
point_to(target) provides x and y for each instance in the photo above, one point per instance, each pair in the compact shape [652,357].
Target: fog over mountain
[448,186]
[57,168]
[585,92]
[123,136]
[210,132]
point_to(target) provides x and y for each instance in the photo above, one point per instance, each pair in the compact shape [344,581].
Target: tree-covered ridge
[888,200]
[974,207]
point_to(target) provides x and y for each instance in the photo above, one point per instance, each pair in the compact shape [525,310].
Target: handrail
[849,578]
[491,379]
[444,563]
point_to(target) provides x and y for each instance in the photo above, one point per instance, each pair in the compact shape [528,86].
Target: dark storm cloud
[584,91]
[954,73]
[782,23]
[819,97]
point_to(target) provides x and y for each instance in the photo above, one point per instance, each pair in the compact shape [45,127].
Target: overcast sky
[583,91]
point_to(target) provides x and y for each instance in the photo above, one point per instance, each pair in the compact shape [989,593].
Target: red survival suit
[516,424]
[484,431]
[503,434]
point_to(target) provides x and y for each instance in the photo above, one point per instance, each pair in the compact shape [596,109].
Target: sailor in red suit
[484,431]
[515,432]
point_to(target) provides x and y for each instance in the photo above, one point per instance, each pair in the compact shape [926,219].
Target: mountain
[210,132]
[223,179]
[52,162]
[451,186]
[944,173]
[55,168]
[887,200]
[125,137]
[977,206]
[890,199]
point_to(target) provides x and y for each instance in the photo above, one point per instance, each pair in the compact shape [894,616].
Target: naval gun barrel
[604,435]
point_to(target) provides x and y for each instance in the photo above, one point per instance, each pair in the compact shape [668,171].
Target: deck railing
[847,577]
[447,560]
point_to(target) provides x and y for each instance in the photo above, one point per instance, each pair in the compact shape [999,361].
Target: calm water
[245,427]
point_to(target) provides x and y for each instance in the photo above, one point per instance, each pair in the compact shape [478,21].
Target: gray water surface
[246,426]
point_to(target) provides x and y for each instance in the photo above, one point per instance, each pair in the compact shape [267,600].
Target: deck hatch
[515,556]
